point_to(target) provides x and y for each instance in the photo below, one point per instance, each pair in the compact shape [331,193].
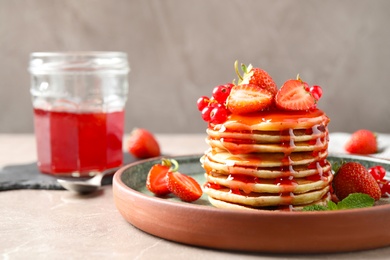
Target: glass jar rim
[79,54]
[78,62]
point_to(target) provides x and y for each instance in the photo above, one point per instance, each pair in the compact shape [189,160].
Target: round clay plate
[200,224]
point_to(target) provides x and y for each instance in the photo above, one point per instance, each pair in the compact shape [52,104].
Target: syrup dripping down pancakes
[275,160]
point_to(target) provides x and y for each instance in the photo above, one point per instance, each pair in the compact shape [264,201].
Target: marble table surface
[58,224]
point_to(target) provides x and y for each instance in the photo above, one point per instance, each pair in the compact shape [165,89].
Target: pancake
[268,160]
[249,184]
[256,136]
[238,148]
[227,205]
[257,200]
[266,170]
[264,159]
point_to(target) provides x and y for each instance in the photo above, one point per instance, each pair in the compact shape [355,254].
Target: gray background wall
[179,50]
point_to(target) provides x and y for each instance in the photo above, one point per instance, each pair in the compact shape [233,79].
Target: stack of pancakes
[268,160]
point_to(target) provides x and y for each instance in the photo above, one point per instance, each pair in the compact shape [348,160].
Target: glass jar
[78,100]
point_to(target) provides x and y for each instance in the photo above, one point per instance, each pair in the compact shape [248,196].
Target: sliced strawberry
[248,98]
[183,186]
[142,144]
[294,95]
[362,142]
[156,181]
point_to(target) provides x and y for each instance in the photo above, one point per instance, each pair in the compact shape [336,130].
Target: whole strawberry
[142,144]
[362,142]
[256,76]
[352,177]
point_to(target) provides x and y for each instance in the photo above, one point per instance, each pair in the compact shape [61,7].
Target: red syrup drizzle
[245,183]
[288,121]
[287,183]
[214,186]
[318,177]
[318,165]
[288,145]
[288,141]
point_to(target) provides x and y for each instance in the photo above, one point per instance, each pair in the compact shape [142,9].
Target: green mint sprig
[353,201]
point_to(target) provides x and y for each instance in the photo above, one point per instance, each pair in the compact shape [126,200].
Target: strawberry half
[142,144]
[184,186]
[156,181]
[362,142]
[294,95]
[352,177]
[248,98]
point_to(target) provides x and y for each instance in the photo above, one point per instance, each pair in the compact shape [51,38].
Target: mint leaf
[314,208]
[332,205]
[353,201]
[356,200]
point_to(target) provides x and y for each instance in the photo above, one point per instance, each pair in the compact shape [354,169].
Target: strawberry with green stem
[255,76]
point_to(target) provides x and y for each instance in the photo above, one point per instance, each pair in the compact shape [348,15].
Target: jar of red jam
[79,104]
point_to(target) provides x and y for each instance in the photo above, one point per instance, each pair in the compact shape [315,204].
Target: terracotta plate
[200,224]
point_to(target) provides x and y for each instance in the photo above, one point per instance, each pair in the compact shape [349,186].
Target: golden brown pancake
[227,205]
[268,160]
[257,200]
[249,184]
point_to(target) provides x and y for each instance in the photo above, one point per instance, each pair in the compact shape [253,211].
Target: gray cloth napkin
[28,176]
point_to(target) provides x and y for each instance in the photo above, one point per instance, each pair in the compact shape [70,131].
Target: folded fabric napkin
[28,176]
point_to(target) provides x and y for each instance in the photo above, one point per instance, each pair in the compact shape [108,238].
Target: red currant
[384,185]
[316,91]
[378,172]
[206,113]
[221,92]
[219,114]
[202,102]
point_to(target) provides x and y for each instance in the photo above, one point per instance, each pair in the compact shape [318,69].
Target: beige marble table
[42,224]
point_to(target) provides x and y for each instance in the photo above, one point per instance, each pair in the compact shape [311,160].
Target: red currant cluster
[214,109]
[316,91]
[379,173]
